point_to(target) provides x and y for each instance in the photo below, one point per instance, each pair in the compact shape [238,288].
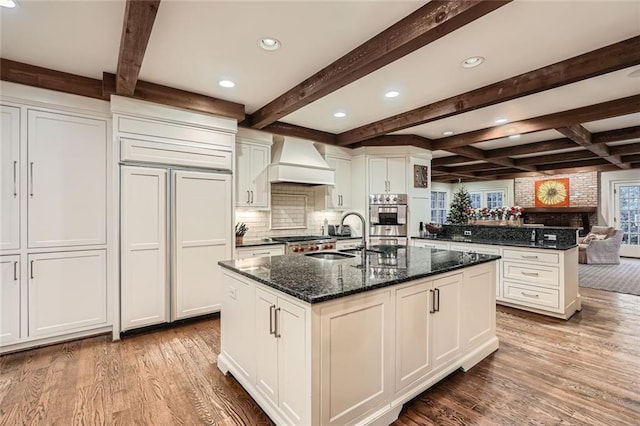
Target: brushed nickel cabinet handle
[528,257]
[438,299]
[31,275]
[251,197]
[15,178]
[248,199]
[31,177]
[277,334]
[534,296]
[271,314]
[15,271]
[432,309]
[531,274]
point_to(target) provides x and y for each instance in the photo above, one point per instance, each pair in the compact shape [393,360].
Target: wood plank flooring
[585,371]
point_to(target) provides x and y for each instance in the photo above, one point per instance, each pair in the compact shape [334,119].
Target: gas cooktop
[296,238]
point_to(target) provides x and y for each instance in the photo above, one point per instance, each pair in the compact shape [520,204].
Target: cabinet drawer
[244,253]
[475,248]
[430,244]
[537,297]
[535,274]
[531,256]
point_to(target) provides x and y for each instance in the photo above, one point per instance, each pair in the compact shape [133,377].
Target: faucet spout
[363,246]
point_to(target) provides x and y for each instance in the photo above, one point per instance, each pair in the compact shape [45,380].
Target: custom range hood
[298,161]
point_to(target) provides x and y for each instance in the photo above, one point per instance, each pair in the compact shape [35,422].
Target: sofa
[600,246]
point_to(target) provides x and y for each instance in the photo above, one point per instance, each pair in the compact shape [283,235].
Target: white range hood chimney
[298,161]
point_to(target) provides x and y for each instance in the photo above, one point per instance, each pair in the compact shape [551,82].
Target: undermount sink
[329,255]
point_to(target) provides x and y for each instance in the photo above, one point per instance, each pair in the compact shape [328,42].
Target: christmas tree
[460,205]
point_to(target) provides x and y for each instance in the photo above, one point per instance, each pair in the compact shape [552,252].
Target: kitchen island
[349,341]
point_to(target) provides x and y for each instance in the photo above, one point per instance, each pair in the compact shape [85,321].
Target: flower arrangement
[498,213]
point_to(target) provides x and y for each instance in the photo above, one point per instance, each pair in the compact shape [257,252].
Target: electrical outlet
[550,237]
[232,293]
[468,233]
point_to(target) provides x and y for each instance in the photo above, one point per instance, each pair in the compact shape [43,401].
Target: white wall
[605,202]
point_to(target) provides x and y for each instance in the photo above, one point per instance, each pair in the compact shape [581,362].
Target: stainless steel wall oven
[388,219]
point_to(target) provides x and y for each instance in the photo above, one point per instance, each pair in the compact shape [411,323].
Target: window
[487,198]
[439,207]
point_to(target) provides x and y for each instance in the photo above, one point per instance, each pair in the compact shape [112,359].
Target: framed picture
[420,176]
[552,192]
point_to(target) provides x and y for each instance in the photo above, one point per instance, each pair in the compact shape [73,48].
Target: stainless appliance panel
[383,241]
[388,230]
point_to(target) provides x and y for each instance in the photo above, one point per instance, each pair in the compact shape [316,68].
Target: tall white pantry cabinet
[175,211]
[54,183]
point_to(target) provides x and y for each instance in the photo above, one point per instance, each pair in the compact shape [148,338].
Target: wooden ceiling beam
[139,16]
[432,21]
[597,62]
[582,137]
[531,148]
[632,148]
[618,135]
[556,158]
[574,164]
[164,95]
[45,78]
[615,108]
[631,158]
[475,167]
[478,154]
[450,160]
[285,129]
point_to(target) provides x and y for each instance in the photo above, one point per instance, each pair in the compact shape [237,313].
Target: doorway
[626,201]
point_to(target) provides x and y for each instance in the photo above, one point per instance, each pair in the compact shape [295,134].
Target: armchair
[601,246]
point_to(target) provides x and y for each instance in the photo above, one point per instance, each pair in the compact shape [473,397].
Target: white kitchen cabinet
[9,299]
[252,177]
[281,368]
[10,167]
[337,197]
[67,180]
[143,224]
[478,305]
[201,238]
[67,291]
[413,331]
[447,319]
[483,249]
[259,251]
[387,175]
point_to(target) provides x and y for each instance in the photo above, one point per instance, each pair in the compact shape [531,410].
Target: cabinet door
[343,183]
[237,330]
[67,180]
[266,346]
[9,299]
[245,253]
[243,176]
[143,258]
[479,304]
[260,158]
[397,175]
[377,175]
[447,319]
[412,333]
[293,389]
[202,237]
[67,291]
[10,179]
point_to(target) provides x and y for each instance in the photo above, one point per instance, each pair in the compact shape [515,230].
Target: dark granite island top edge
[505,243]
[315,280]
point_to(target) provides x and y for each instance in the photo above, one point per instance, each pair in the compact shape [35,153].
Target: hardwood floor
[585,371]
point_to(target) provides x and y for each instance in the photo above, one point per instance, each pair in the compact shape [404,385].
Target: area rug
[622,278]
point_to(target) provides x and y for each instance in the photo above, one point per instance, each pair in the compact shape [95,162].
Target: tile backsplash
[292,213]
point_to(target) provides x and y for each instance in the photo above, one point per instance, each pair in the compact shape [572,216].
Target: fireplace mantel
[583,211]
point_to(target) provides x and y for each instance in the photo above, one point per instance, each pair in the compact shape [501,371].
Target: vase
[239,240]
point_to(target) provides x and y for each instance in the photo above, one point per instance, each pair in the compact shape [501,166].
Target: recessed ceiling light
[269,43]
[8,3]
[516,136]
[391,94]
[471,62]
[447,133]
[501,120]
[226,83]
[339,114]
[634,74]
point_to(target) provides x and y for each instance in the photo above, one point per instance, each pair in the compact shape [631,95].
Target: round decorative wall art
[552,193]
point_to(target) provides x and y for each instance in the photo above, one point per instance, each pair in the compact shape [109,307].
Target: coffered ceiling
[560,72]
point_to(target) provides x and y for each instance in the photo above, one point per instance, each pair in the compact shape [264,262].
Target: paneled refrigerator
[174,228]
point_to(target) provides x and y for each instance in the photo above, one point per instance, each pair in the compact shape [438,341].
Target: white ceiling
[194,44]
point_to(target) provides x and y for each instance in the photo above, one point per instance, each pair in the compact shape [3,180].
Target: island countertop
[317,280]
[549,245]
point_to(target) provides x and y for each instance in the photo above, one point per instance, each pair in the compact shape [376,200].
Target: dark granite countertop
[552,245]
[316,280]
[258,242]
